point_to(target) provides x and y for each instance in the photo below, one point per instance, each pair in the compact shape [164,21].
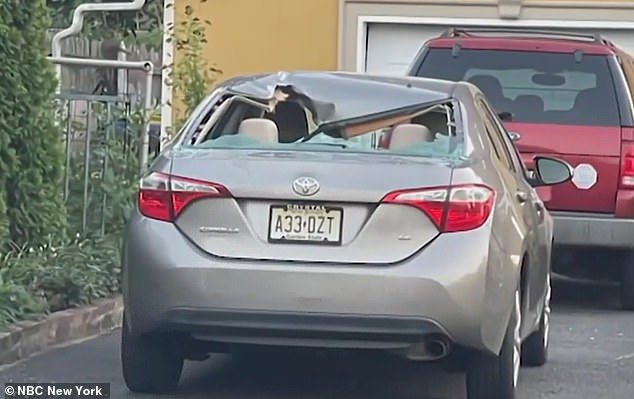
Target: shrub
[7,162]
[113,172]
[44,270]
[66,274]
[30,145]
[17,303]
[191,77]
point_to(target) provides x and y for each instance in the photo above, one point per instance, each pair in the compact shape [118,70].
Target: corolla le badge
[225,230]
[305,186]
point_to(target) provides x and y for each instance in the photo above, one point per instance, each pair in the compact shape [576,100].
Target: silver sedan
[340,211]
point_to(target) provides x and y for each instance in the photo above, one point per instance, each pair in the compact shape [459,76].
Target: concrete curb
[28,338]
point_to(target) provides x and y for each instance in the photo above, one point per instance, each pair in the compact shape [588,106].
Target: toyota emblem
[305,186]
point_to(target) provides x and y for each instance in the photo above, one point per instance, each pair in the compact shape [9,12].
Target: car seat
[528,108]
[408,134]
[260,129]
[291,121]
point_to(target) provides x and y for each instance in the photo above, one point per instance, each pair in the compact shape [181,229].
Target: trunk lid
[345,209]
[594,152]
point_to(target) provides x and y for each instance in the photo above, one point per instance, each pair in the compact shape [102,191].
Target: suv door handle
[521,196]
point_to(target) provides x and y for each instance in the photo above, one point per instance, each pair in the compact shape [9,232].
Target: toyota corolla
[335,210]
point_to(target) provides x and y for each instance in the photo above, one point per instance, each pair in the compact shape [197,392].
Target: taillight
[163,197]
[451,209]
[627,165]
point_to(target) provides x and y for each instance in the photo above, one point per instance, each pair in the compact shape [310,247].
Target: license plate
[308,224]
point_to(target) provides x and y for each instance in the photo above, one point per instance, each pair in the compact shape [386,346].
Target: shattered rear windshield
[297,123]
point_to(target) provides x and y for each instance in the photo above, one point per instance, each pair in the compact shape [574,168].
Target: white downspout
[78,23]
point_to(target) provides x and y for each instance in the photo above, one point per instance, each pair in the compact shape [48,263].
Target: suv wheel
[535,348]
[627,284]
[495,377]
[147,363]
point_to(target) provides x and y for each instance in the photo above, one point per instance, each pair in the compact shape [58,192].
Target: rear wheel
[535,348]
[627,284]
[496,377]
[148,364]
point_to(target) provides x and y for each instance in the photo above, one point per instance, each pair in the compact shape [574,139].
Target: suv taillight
[451,209]
[627,165]
[163,197]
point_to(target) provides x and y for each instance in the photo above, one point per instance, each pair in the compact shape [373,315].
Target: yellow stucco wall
[248,36]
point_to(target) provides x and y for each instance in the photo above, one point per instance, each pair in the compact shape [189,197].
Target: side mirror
[514,136]
[551,171]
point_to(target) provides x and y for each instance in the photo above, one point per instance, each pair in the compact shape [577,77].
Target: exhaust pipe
[430,349]
[437,348]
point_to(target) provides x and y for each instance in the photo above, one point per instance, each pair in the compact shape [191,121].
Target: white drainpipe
[78,23]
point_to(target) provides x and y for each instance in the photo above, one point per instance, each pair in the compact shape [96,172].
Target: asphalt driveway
[592,357]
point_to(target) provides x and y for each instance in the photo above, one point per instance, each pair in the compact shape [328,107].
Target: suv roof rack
[466,32]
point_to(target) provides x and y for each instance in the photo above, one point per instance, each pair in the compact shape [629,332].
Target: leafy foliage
[17,303]
[191,77]
[64,274]
[65,250]
[32,156]
[72,270]
[69,270]
[110,176]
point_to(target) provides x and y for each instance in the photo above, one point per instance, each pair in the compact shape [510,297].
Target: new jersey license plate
[309,224]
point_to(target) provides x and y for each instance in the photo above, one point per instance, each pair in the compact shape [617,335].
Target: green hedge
[58,276]
[31,152]
[41,269]
[47,261]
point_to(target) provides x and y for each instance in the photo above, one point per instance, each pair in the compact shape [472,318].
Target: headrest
[408,134]
[487,84]
[587,98]
[260,129]
[435,121]
[529,100]
[291,121]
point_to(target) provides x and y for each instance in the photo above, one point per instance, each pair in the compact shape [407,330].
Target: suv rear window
[535,87]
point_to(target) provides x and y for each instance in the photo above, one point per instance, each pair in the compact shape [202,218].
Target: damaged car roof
[334,96]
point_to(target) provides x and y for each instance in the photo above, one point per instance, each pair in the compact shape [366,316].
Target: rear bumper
[170,284]
[593,230]
[305,329]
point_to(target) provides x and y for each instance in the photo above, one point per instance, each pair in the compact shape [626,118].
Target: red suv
[566,95]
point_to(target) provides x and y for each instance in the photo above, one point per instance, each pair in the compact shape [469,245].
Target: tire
[495,377]
[535,348]
[627,284]
[148,366]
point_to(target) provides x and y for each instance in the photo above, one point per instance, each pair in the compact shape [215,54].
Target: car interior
[239,121]
[574,106]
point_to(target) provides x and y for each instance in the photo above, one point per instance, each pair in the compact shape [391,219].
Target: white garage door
[391,47]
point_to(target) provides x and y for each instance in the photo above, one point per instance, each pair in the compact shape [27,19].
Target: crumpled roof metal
[335,96]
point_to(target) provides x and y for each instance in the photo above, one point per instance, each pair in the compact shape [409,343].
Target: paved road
[592,356]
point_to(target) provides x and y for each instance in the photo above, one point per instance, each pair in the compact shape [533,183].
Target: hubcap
[546,314]
[517,341]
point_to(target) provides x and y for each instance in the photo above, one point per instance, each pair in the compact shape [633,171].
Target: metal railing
[92,125]
[95,123]
[146,66]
